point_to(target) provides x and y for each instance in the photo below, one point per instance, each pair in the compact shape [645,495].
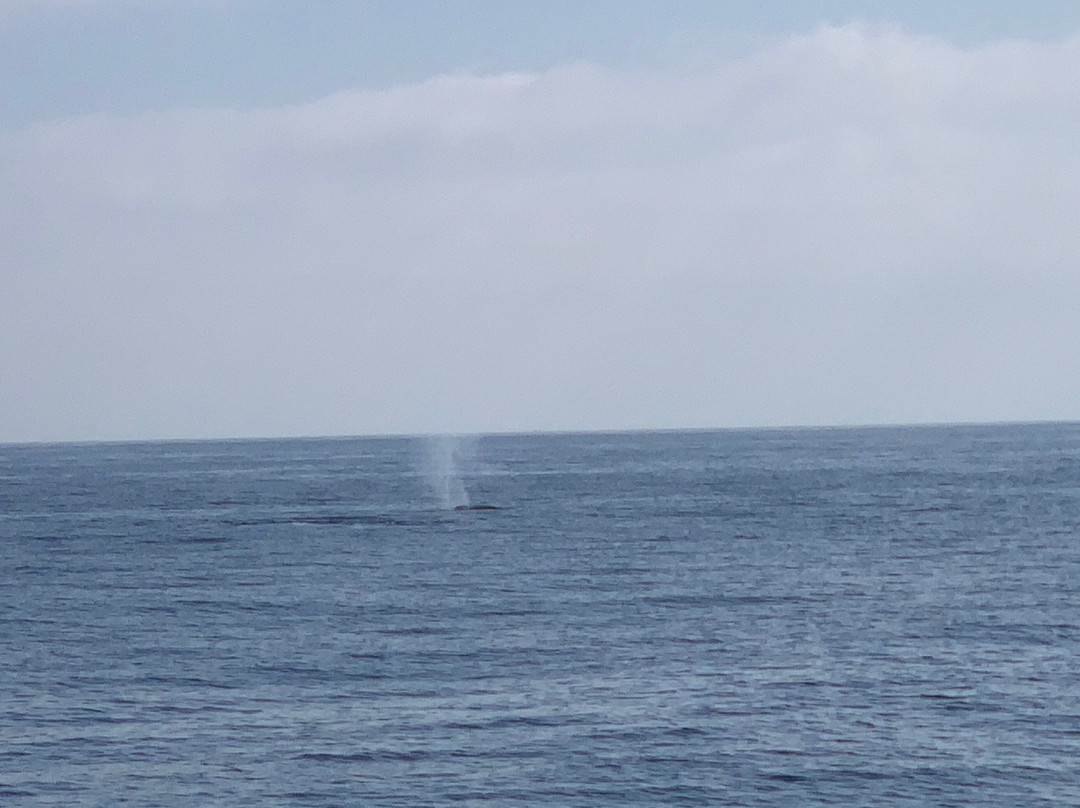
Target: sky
[239,218]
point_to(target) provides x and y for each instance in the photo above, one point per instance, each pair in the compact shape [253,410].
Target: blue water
[755,618]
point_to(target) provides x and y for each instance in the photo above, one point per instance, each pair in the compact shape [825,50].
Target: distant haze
[853,224]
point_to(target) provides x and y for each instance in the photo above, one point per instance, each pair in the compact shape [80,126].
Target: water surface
[758,618]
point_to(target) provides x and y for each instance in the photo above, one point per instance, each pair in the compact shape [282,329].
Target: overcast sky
[239,218]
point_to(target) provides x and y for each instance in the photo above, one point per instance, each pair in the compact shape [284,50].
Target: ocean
[878,616]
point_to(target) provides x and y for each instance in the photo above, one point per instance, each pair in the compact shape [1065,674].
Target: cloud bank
[851,226]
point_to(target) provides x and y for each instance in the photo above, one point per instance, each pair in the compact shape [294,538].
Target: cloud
[854,225]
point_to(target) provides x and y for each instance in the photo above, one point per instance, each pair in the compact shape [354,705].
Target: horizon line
[546,432]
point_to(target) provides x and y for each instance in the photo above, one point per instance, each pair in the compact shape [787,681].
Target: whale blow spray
[446,454]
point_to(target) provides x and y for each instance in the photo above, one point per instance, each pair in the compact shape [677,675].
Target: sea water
[745,618]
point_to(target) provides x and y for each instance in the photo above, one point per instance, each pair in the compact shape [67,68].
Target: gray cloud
[855,225]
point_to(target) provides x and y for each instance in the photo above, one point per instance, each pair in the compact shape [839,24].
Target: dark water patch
[368,520]
[15,793]
[177,680]
[711,600]
[374,756]
[206,539]
[514,722]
